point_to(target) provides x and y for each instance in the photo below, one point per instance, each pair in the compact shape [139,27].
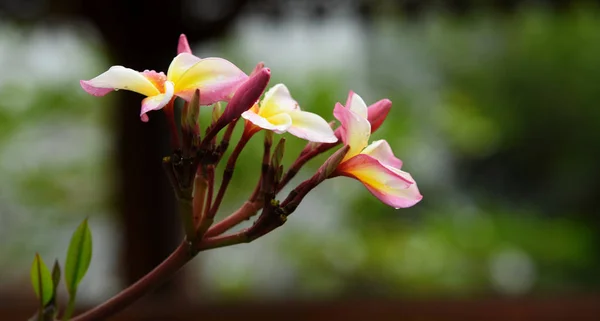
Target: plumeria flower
[373,165]
[216,78]
[280,113]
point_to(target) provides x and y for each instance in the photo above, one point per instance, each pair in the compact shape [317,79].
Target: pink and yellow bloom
[373,165]
[280,113]
[216,78]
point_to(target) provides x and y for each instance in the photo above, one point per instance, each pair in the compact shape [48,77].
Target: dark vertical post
[143,34]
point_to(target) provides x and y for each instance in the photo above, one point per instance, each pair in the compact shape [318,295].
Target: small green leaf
[56,274]
[55,280]
[79,256]
[41,280]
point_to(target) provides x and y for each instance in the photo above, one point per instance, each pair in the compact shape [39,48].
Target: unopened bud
[332,163]
[184,116]
[258,68]
[217,112]
[246,95]
[183,45]
[190,114]
[268,138]
[377,113]
[278,174]
[278,153]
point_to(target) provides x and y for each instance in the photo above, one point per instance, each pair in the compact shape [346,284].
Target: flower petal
[180,64]
[381,151]
[277,123]
[183,45]
[277,100]
[377,113]
[406,197]
[311,127]
[156,102]
[119,77]
[356,104]
[355,132]
[216,78]
[393,187]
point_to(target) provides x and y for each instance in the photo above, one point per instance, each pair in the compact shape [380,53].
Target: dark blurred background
[495,114]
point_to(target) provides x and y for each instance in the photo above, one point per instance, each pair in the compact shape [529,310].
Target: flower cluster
[213,81]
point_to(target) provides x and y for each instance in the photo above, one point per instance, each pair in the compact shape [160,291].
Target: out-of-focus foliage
[496,117]
[55,149]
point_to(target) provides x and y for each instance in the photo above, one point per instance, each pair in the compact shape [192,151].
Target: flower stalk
[191,167]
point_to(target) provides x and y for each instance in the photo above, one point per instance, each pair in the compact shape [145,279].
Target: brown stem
[228,173]
[251,206]
[211,132]
[271,218]
[210,177]
[225,140]
[267,222]
[303,159]
[169,110]
[244,213]
[156,277]
[200,186]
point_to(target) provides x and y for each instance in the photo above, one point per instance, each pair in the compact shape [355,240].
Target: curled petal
[119,77]
[355,131]
[183,45]
[377,113]
[356,104]
[180,65]
[381,151]
[156,102]
[393,187]
[216,78]
[277,123]
[277,100]
[311,127]
[407,197]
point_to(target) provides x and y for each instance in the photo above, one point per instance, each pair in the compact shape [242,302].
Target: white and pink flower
[280,113]
[373,164]
[216,78]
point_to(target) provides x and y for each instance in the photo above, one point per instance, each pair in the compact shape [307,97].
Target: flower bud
[268,139]
[183,45]
[246,96]
[278,153]
[258,68]
[331,164]
[278,174]
[217,112]
[377,113]
[190,115]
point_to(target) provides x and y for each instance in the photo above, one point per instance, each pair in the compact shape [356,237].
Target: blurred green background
[494,114]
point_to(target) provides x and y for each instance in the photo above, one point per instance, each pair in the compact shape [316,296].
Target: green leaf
[55,279]
[79,256]
[41,280]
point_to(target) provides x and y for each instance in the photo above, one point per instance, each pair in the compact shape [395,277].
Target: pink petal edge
[94,91]
[183,45]
[398,200]
[377,113]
